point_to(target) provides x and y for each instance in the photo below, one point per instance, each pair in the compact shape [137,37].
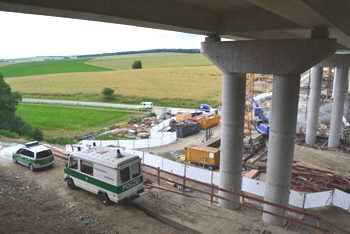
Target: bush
[137,65]
[108,92]
[9,134]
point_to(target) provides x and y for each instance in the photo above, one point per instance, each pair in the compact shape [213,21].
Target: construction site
[258,109]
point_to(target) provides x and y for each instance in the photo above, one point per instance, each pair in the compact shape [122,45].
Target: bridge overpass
[280,37]
[232,19]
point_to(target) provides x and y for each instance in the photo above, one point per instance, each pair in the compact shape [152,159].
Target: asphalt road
[95,104]
[79,103]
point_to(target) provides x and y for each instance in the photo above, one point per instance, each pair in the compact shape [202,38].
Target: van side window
[125,174]
[135,170]
[86,167]
[73,163]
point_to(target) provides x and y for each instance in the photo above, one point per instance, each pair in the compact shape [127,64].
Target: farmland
[48,67]
[58,121]
[167,79]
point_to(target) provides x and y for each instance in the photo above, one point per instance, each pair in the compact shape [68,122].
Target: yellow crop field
[155,60]
[190,83]
[169,79]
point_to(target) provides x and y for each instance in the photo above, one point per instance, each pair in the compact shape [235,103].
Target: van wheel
[70,184]
[31,167]
[104,198]
[14,159]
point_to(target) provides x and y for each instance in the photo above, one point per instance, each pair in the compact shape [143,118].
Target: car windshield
[44,154]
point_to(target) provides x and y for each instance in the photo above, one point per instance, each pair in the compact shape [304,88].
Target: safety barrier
[183,187]
[156,139]
[297,199]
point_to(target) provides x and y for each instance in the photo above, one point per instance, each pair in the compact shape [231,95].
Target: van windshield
[44,154]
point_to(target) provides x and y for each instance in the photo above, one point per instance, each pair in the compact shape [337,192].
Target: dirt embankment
[41,202]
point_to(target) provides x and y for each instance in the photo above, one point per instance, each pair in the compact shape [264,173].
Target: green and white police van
[34,155]
[105,171]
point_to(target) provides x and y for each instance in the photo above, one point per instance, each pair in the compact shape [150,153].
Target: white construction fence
[298,199]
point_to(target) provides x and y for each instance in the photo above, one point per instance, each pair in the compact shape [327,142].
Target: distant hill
[187,51]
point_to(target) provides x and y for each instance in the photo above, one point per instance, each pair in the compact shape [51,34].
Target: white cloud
[25,35]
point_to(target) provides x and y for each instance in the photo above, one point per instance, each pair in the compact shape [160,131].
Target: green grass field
[167,79]
[68,121]
[49,67]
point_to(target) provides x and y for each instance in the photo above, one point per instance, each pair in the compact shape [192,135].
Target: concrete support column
[338,105]
[313,107]
[334,82]
[285,97]
[232,133]
[288,59]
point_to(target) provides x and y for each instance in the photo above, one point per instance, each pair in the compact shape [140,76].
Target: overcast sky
[25,35]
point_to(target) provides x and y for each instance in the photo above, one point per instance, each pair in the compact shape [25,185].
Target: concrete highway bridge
[280,37]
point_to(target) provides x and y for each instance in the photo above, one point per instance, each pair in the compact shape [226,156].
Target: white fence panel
[157,134]
[144,143]
[127,143]
[154,142]
[341,199]
[198,174]
[170,138]
[138,153]
[216,178]
[174,167]
[319,199]
[296,198]
[253,186]
[153,160]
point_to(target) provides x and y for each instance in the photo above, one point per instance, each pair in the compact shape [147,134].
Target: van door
[87,180]
[73,170]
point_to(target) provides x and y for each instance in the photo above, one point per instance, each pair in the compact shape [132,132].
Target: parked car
[34,155]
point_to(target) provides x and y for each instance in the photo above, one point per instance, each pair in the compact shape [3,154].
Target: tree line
[187,51]
[12,124]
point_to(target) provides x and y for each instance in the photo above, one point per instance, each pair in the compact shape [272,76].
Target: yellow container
[202,155]
[209,122]
[123,124]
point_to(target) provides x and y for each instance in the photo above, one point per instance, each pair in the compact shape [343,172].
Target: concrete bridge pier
[341,62]
[287,59]
[232,133]
[283,121]
[339,93]
[313,107]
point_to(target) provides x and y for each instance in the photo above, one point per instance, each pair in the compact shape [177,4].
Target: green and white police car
[34,155]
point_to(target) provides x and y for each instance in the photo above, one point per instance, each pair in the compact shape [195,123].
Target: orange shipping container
[202,155]
[209,122]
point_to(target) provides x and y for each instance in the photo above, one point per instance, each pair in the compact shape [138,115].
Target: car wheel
[104,198]
[31,167]
[14,159]
[70,184]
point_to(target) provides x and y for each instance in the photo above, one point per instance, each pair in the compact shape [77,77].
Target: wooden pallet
[252,174]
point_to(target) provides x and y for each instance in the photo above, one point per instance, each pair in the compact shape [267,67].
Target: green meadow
[167,79]
[56,121]
[49,67]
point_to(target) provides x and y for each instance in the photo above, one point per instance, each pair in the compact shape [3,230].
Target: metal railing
[182,185]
